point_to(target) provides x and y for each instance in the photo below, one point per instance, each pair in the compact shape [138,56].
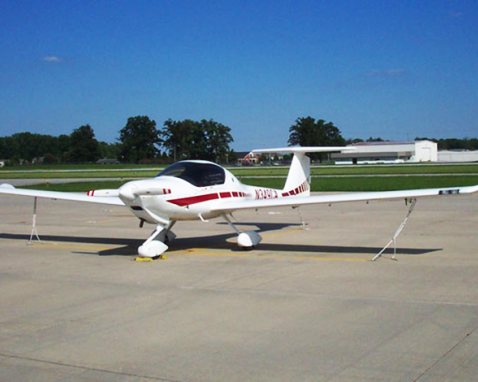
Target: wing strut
[303,223]
[399,230]
[34,232]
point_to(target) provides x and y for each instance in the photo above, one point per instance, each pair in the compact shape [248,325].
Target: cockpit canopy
[199,174]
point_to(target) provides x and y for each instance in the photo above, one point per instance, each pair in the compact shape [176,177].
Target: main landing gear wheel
[246,240]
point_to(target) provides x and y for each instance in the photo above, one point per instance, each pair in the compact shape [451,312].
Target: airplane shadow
[125,246]
[221,242]
[263,226]
[128,247]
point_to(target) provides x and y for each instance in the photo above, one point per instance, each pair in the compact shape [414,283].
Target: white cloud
[52,59]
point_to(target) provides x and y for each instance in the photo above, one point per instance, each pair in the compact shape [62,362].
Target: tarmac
[306,305]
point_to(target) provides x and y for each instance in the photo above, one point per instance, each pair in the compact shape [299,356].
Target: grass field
[324,178]
[141,171]
[374,179]
[79,173]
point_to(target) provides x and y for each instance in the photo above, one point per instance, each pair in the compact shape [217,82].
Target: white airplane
[202,190]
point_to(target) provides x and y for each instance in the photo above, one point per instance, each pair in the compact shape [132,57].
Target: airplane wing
[56,195]
[295,201]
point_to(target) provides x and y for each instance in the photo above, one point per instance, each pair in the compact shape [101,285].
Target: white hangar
[389,152]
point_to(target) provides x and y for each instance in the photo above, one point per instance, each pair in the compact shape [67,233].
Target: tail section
[298,179]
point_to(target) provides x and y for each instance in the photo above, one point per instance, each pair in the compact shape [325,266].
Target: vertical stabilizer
[298,179]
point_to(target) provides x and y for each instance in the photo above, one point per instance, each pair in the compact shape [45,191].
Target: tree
[218,137]
[8,148]
[109,150]
[49,158]
[177,139]
[63,147]
[310,132]
[138,139]
[27,146]
[190,139]
[83,145]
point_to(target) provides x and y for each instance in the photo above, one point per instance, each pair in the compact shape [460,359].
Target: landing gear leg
[248,239]
[155,245]
[302,221]
[167,236]
[399,230]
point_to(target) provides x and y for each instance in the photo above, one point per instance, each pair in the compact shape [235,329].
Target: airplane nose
[127,191]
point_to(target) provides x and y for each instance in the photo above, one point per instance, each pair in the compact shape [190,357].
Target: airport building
[247,158]
[386,152]
[457,156]
[389,152]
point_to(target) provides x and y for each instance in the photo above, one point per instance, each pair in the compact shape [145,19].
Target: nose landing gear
[156,244]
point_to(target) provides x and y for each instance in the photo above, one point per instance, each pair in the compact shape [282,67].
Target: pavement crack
[87,368]
[444,355]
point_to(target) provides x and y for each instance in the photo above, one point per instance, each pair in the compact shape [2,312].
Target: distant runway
[306,304]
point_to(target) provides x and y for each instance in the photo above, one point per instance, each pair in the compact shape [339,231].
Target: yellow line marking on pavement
[248,254]
[205,252]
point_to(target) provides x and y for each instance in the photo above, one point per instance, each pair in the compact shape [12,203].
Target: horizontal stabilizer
[305,149]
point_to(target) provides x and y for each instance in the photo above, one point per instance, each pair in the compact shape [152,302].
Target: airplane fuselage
[169,198]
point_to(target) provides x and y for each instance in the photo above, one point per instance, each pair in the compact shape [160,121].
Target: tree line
[80,146]
[141,141]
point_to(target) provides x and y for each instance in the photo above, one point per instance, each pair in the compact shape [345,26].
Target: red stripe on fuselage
[204,198]
[193,199]
[298,190]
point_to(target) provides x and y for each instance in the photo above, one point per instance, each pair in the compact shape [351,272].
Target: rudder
[298,178]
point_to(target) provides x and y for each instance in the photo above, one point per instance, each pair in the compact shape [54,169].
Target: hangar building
[457,156]
[389,152]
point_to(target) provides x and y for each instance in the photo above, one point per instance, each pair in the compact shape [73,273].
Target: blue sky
[394,69]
